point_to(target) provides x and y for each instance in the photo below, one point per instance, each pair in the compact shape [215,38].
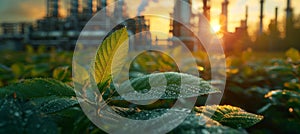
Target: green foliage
[293,54]
[47,99]
[54,104]
[193,123]
[152,61]
[37,87]
[17,66]
[231,116]
[61,73]
[42,105]
[115,44]
[177,85]
[258,78]
[282,97]
[19,116]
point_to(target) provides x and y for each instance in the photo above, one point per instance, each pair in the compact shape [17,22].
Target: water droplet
[17,114]
[28,112]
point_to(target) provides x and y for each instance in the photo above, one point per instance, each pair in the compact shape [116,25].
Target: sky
[30,10]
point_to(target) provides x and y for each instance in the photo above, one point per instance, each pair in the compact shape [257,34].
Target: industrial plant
[53,30]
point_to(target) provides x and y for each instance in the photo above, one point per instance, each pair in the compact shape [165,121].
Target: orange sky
[236,12]
[30,10]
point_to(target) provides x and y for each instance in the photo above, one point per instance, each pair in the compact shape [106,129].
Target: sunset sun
[216,27]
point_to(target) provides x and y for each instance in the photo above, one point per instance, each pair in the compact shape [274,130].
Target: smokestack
[289,17]
[261,17]
[74,7]
[206,9]
[288,9]
[276,17]
[48,8]
[53,8]
[246,17]
[224,16]
[118,11]
[182,11]
[90,7]
[101,4]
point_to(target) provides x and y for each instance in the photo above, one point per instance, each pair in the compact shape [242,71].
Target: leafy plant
[231,116]
[43,99]
[56,109]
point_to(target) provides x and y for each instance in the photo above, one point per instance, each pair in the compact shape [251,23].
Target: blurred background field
[261,44]
[259,82]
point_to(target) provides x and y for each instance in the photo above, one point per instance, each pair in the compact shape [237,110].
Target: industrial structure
[261,17]
[183,13]
[206,9]
[53,30]
[224,16]
[289,18]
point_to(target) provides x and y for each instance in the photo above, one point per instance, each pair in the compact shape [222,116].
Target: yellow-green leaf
[293,54]
[114,47]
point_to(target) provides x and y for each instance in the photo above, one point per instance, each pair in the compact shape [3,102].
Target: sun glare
[216,28]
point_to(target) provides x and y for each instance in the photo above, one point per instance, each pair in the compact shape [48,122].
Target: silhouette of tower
[276,18]
[182,12]
[182,20]
[289,18]
[206,9]
[246,17]
[53,8]
[224,16]
[90,7]
[101,4]
[74,8]
[119,11]
[261,17]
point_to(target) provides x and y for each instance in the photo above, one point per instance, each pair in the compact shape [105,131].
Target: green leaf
[47,96]
[37,87]
[18,69]
[18,116]
[66,119]
[39,69]
[280,69]
[54,104]
[4,68]
[193,123]
[241,119]
[230,116]
[293,54]
[199,124]
[192,86]
[81,75]
[114,46]
[60,73]
[282,97]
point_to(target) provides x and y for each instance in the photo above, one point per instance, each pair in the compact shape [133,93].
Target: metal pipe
[74,7]
[276,17]
[90,7]
[289,18]
[261,16]
[55,8]
[224,16]
[206,9]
